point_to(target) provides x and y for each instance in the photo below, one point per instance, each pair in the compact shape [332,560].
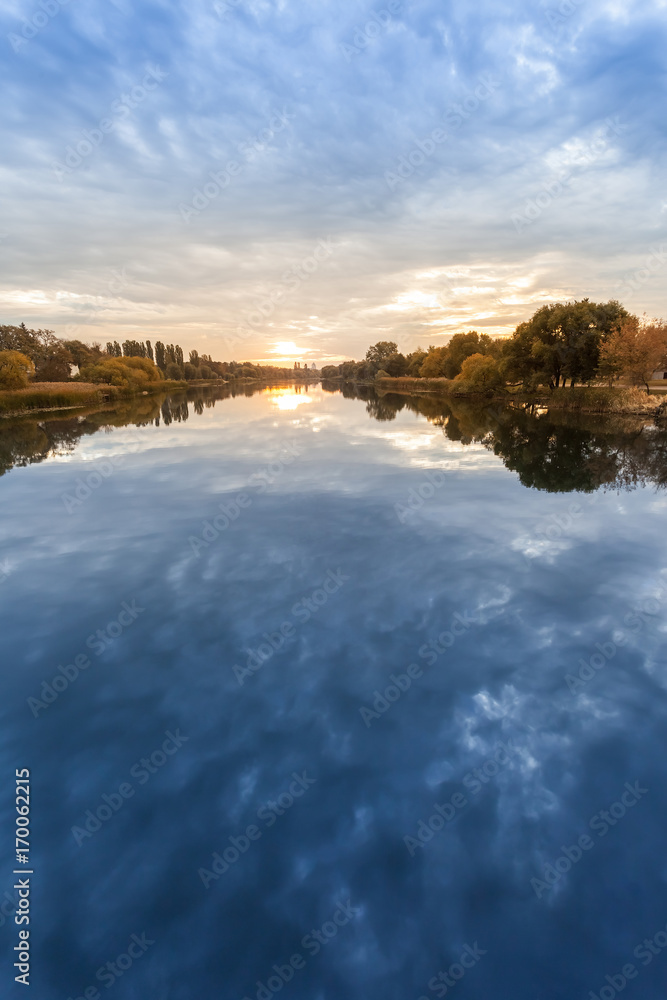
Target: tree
[174,371]
[51,358]
[134,349]
[446,361]
[561,341]
[160,355]
[433,365]
[194,358]
[414,361]
[123,372]
[83,354]
[149,351]
[378,355]
[15,370]
[396,364]
[55,365]
[480,373]
[634,350]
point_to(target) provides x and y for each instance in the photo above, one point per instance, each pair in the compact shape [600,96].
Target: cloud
[553,82]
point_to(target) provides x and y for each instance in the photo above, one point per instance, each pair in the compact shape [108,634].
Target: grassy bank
[71,395]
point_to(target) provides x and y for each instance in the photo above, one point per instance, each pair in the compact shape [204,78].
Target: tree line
[39,355]
[578,342]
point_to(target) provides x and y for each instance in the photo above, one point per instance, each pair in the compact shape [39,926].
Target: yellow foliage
[15,370]
[127,372]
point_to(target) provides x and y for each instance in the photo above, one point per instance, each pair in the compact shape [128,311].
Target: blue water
[358,539]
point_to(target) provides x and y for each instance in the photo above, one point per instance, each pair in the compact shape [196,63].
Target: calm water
[479,557]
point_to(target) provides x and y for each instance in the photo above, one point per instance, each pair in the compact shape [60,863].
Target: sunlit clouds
[169,173]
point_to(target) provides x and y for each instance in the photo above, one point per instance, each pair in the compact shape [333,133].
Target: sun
[287,347]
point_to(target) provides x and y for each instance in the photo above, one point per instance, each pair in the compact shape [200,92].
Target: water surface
[260,574]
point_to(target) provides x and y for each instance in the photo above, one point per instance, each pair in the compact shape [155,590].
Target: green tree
[160,355]
[414,361]
[560,342]
[83,354]
[134,349]
[378,355]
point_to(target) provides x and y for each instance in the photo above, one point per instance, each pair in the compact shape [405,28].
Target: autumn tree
[480,373]
[446,361]
[634,350]
[15,370]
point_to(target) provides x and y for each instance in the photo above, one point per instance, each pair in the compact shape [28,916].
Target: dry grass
[84,387]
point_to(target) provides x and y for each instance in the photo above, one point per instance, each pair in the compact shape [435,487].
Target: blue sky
[287,180]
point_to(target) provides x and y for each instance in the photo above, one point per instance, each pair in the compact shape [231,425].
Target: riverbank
[49,396]
[581,399]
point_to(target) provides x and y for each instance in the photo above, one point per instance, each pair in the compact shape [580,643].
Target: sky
[277,180]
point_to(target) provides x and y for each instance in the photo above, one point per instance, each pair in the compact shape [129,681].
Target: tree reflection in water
[557,452]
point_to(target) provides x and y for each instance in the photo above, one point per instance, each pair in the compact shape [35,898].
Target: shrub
[15,370]
[124,372]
